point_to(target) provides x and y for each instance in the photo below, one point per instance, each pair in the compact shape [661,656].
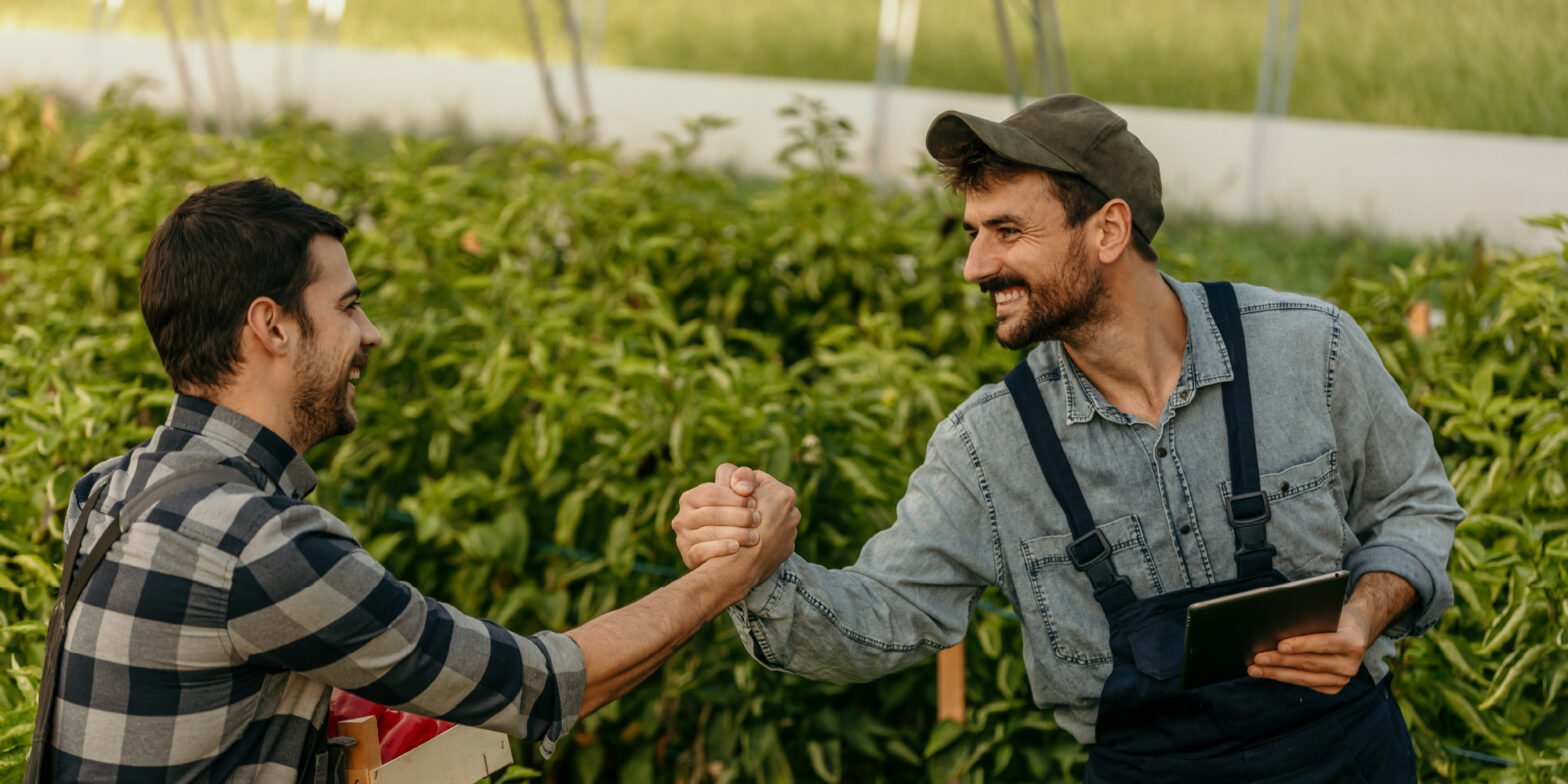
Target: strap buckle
[1089,550]
[1091,554]
[1249,514]
[1248,509]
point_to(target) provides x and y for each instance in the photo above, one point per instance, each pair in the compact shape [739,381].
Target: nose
[369,336]
[981,262]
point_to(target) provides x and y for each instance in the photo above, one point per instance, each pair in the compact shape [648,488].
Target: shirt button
[1284,487]
[1160,452]
[1185,528]
[1185,393]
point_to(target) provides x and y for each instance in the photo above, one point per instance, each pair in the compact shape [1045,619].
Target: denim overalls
[1245,730]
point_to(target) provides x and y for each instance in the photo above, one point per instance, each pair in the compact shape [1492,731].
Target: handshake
[740,526]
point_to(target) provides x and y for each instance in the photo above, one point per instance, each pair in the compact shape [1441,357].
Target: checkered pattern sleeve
[306,597]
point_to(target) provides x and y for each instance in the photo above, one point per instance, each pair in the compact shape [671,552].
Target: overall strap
[1090,551]
[1248,508]
[73,581]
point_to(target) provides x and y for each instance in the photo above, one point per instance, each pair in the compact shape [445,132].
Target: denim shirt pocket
[1306,525]
[1074,623]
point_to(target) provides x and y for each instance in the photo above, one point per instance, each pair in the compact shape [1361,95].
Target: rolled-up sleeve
[306,597]
[1398,498]
[908,595]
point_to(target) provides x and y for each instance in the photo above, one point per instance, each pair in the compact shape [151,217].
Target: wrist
[1357,621]
[720,579]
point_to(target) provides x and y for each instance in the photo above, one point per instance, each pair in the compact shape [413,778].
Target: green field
[1492,65]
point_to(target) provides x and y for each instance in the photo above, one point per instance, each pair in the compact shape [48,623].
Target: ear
[269,328]
[1114,224]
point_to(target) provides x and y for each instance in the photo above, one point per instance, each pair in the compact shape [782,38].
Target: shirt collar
[1204,362]
[246,437]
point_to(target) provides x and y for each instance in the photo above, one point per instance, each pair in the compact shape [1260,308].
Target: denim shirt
[1351,473]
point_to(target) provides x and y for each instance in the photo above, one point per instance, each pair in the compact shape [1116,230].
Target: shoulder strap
[1248,507]
[73,581]
[1090,551]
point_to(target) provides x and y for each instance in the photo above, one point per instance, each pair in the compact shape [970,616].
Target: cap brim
[951,132]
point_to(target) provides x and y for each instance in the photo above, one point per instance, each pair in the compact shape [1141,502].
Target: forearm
[1376,601]
[1398,500]
[623,647]
[851,625]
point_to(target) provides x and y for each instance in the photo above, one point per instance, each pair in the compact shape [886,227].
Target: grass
[1490,65]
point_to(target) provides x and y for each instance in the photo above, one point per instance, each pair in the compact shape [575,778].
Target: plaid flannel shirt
[206,645]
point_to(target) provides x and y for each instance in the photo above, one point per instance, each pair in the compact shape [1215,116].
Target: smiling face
[336,347]
[1041,277]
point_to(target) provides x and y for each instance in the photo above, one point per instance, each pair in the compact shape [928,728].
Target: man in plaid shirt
[206,644]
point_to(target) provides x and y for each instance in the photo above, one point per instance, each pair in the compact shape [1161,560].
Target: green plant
[575,336]
[1489,380]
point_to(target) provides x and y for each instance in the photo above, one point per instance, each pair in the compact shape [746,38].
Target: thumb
[743,481]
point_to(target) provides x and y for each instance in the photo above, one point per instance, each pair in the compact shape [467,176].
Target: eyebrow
[992,223]
[352,293]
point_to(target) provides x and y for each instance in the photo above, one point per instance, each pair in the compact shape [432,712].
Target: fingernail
[751,503]
[732,545]
[1255,672]
[751,537]
[756,517]
[1287,648]
[743,486]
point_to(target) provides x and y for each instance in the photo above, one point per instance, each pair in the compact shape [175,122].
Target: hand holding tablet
[1224,634]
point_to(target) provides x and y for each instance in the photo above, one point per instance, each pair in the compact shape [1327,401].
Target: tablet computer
[1224,634]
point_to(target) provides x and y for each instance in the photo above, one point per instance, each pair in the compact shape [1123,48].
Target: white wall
[1398,181]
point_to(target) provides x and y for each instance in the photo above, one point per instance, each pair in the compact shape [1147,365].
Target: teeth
[1009,295]
[353,374]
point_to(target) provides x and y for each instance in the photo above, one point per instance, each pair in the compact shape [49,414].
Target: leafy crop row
[575,336]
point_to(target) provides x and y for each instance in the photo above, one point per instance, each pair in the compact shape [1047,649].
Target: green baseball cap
[1064,133]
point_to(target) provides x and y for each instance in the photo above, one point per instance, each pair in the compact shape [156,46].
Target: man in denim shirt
[1061,202]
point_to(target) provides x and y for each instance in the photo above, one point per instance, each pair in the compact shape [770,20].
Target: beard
[1065,309]
[321,407]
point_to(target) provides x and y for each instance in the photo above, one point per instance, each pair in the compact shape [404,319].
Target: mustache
[1001,284]
[361,359]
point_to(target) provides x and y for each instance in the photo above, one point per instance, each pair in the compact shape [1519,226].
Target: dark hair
[222,248]
[979,168]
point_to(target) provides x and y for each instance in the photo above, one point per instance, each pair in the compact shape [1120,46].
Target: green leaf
[942,736]
[569,514]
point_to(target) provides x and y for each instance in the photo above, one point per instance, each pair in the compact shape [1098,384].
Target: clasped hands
[743,513]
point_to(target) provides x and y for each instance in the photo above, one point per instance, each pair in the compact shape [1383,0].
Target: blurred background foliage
[1488,65]
[575,336]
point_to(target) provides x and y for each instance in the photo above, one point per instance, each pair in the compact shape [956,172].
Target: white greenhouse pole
[1273,99]
[900,22]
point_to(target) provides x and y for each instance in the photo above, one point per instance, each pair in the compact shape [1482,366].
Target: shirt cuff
[763,600]
[571,677]
[1434,591]
[749,614]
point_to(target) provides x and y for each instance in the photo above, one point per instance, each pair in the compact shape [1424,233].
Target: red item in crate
[397,731]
